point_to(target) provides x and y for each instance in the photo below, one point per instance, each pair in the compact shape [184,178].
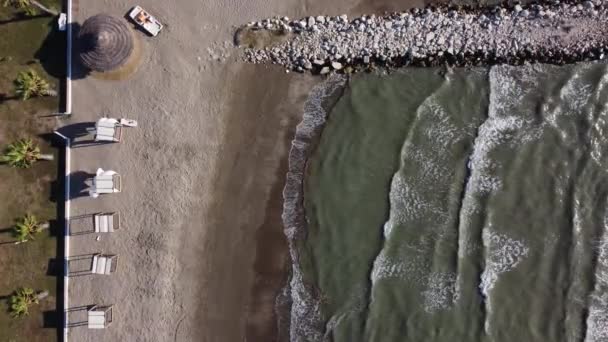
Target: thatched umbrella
[105,43]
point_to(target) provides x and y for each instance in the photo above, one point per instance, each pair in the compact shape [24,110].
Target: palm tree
[22,299]
[29,83]
[23,153]
[27,227]
[29,6]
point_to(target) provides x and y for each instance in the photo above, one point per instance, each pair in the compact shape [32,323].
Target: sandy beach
[202,254]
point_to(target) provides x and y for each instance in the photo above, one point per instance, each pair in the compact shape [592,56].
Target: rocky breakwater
[555,33]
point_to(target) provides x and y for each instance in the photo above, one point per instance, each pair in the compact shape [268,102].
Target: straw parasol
[104,43]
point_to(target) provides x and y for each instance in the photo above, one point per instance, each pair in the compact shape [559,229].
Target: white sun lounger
[106,222]
[105,182]
[104,264]
[107,129]
[99,317]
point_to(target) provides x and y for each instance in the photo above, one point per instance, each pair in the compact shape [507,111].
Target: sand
[202,253]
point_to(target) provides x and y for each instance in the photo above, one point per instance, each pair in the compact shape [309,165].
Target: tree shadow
[6,97]
[23,17]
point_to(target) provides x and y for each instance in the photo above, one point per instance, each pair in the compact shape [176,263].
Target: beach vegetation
[23,153]
[27,227]
[20,302]
[29,84]
[29,7]
[29,42]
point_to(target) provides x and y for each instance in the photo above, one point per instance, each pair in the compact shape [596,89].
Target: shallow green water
[462,207]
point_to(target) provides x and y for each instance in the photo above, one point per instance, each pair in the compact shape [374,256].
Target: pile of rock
[557,33]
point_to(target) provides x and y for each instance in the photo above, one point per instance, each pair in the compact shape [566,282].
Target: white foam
[509,124]
[597,319]
[414,200]
[441,292]
[306,321]
[396,267]
[503,254]
[599,133]
[406,204]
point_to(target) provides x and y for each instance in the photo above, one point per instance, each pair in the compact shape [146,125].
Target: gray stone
[325,70]
[435,32]
[307,65]
[311,22]
[337,65]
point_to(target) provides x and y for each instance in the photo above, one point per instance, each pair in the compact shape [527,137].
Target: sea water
[461,205]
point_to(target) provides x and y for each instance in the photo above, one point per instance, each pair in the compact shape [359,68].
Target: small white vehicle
[145,20]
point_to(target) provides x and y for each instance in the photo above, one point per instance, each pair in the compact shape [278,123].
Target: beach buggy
[145,20]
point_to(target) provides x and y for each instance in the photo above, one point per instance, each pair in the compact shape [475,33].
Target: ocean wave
[508,124]
[442,291]
[503,254]
[397,267]
[419,203]
[306,321]
[597,319]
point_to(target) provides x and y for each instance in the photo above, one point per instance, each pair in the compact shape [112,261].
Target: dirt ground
[202,254]
[26,191]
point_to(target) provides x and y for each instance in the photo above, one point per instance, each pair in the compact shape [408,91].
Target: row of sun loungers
[104,182]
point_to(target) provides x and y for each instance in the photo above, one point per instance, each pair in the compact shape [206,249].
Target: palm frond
[29,84]
[20,302]
[22,153]
[22,5]
[26,228]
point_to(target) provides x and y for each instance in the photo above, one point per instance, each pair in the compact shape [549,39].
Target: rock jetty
[558,33]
